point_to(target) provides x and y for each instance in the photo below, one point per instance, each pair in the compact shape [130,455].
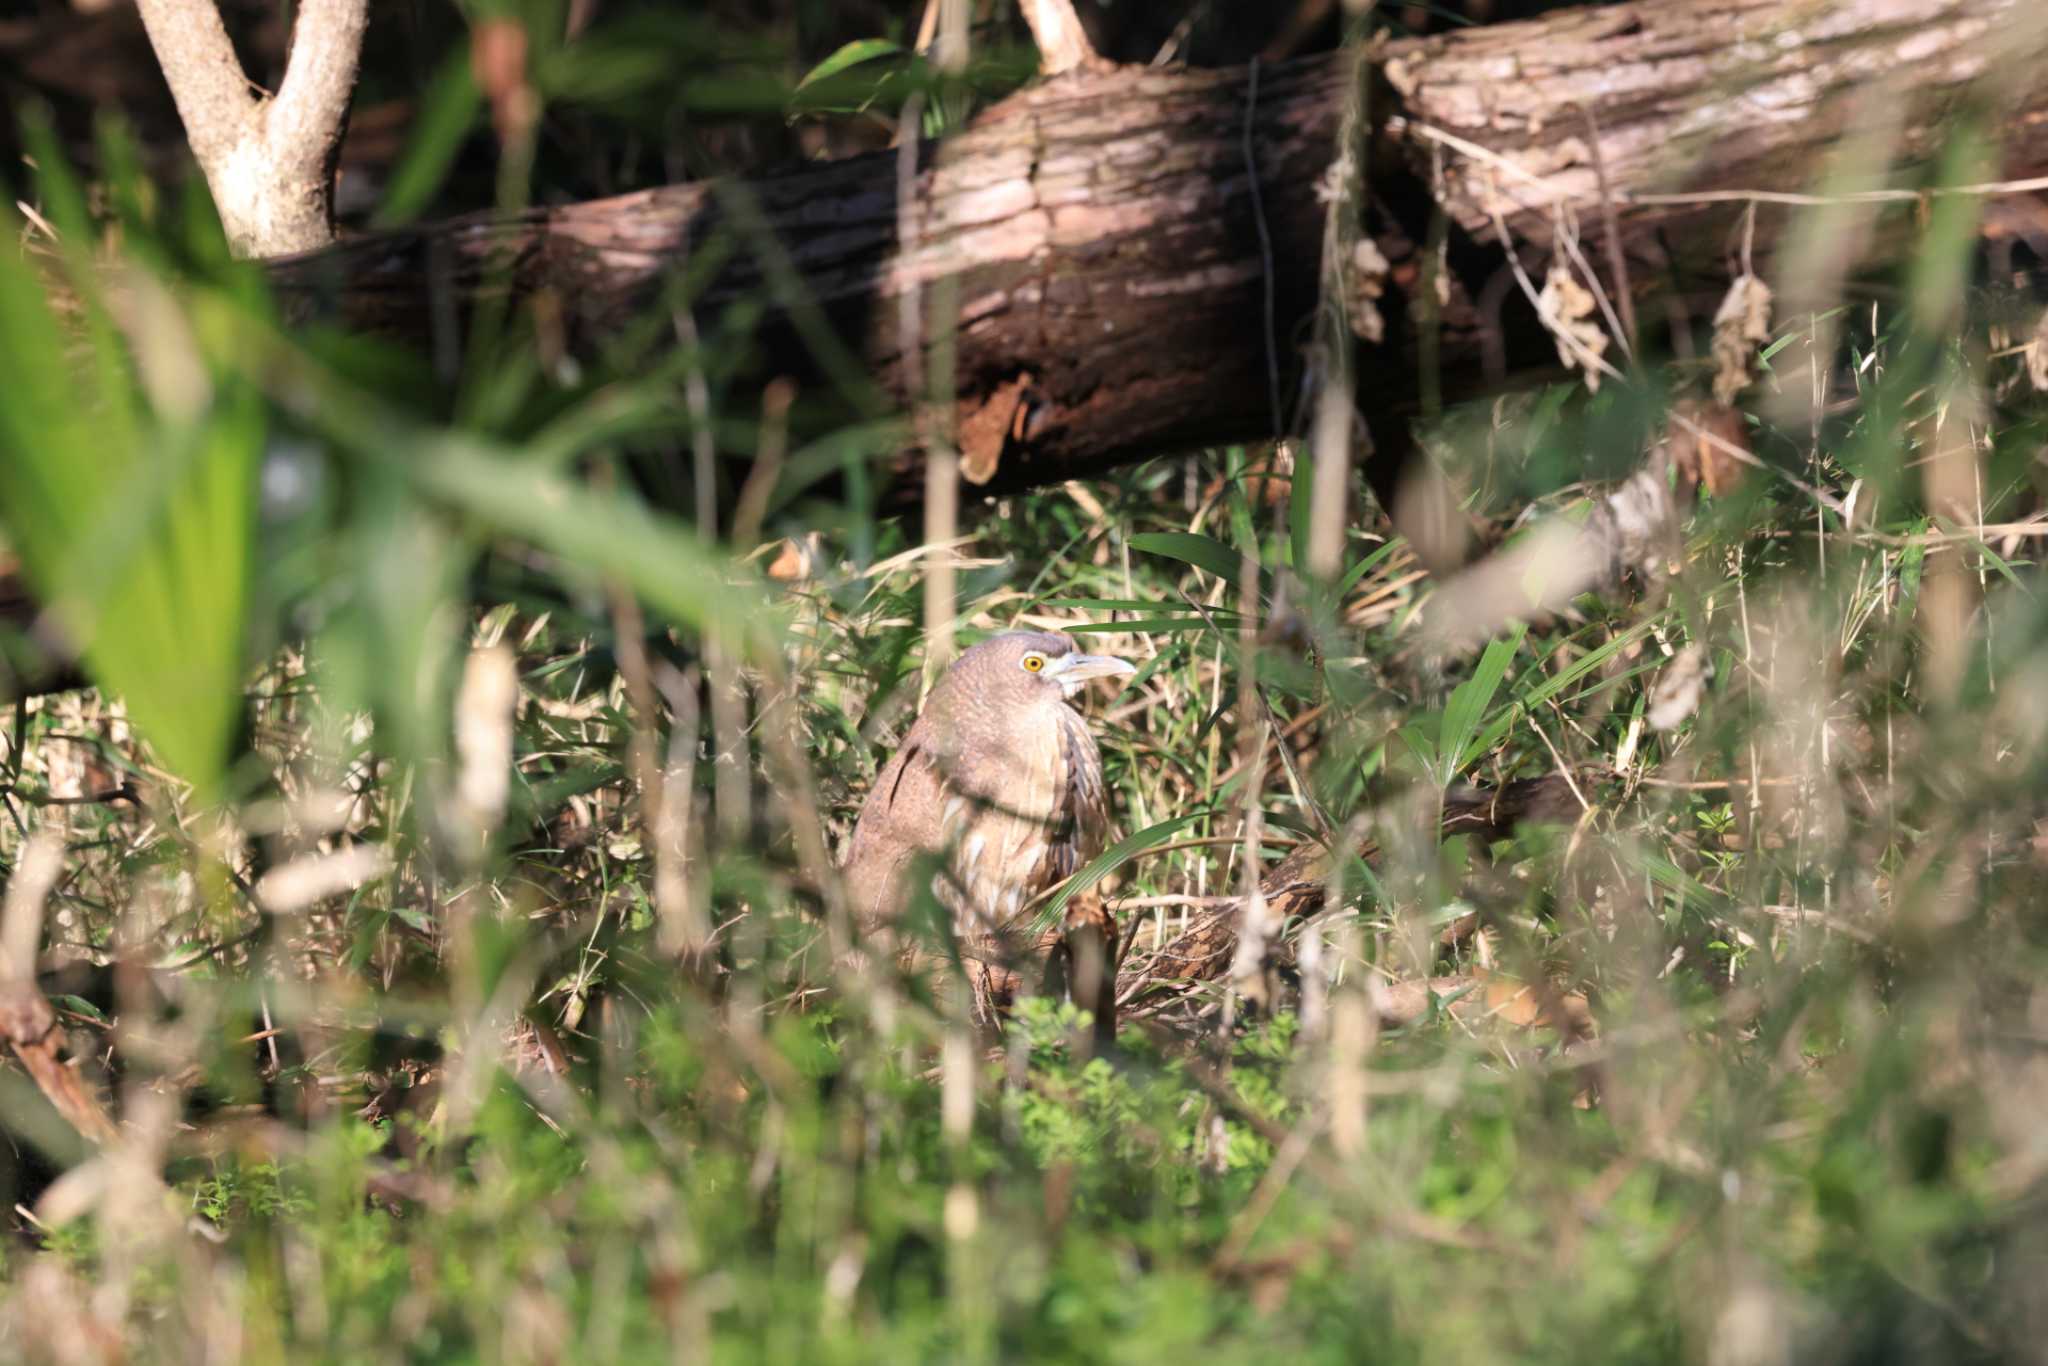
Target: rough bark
[269,160]
[1115,289]
[1101,230]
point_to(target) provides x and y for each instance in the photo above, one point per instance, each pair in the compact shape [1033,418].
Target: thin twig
[1617,261]
[1251,167]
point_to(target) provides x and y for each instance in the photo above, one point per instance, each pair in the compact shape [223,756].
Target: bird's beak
[1074,670]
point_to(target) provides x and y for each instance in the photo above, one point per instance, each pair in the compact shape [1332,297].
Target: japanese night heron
[1000,777]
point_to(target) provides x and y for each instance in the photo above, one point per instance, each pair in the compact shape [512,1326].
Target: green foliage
[128,485]
[487,1098]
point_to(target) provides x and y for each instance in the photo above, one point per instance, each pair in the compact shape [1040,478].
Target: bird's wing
[1085,814]
[887,835]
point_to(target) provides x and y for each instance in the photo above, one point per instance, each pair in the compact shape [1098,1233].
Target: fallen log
[1130,250]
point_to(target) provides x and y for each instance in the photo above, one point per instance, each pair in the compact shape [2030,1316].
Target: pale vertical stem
[1342,228]
[36,869]
[931,388]
[1351,1023]
[732,780]
[941,521]
[486,710]
[1315,982]
[963,1205]
[732,784]
[1248,967]
[1320,964]
[751,511]
[951,52]
[920,385]
[703,449]
[1352,1026]
[956,1096]
[684,925]
[1332,473]
[684,912]
[1947,595]
[630,648]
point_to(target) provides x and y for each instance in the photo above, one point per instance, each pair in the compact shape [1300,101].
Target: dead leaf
[1565,308]
[1741,324]
[795,558]
[1369,271]
[989,426]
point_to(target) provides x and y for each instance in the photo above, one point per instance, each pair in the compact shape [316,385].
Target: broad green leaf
[1420,743]
[851,55]
[1690,889]
[1130,605]
[1469,700]
[1366,566]
[1156,625]
[1113,858]
[136,519]
[1585,664]
[602,532]
[1300,498]
[1203,552]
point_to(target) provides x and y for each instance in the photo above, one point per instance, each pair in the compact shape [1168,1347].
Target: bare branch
[266,160]
[306,118]
[1062,43]
[205,76]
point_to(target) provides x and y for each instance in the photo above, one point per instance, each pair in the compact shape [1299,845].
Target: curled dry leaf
[988,427]
[1336,180]
[1565,308]
[1741,324]
[794,559]
[1369,270]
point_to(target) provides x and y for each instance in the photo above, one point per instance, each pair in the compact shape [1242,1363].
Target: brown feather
[999,776]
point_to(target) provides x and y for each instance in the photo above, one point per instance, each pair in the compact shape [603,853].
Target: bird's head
[1027,668]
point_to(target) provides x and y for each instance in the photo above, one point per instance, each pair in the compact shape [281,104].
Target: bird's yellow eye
[1033,663]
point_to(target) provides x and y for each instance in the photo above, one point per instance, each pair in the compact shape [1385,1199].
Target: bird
[999,784]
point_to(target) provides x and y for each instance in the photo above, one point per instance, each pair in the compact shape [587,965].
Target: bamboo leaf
[1469,700]
[851,55]
[1111,859]
[1203,552]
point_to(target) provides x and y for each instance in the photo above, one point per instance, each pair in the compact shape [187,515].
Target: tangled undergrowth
[410,1099]
[459,983]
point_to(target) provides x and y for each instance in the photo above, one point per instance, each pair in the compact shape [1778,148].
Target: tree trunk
[1117,295]
[269,160]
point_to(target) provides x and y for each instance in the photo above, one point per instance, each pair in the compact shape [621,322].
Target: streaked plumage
[998,774]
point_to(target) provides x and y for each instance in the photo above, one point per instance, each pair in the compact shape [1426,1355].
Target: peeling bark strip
[269,160]
[1101,232]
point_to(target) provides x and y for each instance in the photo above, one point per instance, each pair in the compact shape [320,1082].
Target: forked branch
[268,159]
